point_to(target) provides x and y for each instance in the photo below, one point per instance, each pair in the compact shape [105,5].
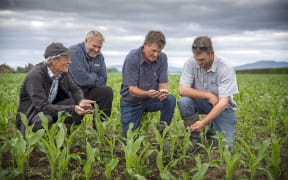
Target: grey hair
[50,58]
[155,37]
[94,34]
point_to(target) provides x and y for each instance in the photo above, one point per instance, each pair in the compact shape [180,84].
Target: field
[260,152]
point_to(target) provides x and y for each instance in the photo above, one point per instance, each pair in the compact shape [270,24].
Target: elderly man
[88,70]
[48,88]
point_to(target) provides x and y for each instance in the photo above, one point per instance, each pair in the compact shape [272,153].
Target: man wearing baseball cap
[48,88]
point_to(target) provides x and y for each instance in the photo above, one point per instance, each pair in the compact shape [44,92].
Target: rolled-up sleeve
[228,83]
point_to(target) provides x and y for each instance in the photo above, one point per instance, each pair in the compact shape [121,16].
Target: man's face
[61,64]
[151,52]
[204,59]
[93,46]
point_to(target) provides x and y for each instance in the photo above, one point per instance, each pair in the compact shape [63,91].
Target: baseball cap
[57,49]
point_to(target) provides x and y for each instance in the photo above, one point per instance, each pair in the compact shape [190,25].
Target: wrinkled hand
[154,94]
[85,107]
[163,95]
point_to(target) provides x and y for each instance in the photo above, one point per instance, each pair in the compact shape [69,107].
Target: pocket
[213,84]
[96,68]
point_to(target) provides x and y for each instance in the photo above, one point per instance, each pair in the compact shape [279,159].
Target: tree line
[4,68]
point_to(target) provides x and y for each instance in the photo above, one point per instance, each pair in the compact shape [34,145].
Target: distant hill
[264,64]
[171,69]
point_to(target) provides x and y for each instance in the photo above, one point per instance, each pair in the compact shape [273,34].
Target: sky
[242,31]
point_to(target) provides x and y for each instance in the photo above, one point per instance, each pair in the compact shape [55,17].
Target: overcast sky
[243,31]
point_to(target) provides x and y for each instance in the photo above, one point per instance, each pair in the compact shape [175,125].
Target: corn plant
[90,153]
[53,145]
[174,134]
[209,150]
[185,143]
[165,170]
[4,148]
[253,159]
[110,166]
[274,161]
[101,126]
[220,142]
[160,138]
[232,163]
[200,169]
[134,153]
[21,148]
[112,137]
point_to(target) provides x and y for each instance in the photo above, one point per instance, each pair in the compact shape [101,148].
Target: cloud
[242,31]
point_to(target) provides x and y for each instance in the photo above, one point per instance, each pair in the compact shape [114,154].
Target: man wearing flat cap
[207,86]
[48,88]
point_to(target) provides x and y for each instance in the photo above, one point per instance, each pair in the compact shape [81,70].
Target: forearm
[163,86]
[194,93]
[216,110]
[137,92]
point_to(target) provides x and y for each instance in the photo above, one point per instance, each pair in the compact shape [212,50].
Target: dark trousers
[103,95]
[132,113]
[36,120]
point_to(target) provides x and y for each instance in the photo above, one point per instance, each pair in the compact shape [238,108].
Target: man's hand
[153,93]
[164,94]
[197,126]
[85,107]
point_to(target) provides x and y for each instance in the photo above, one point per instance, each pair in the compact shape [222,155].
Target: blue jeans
[223,123]
[132,113]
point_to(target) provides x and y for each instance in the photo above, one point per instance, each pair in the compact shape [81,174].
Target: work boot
[195,139]
[161,126]
[191,120]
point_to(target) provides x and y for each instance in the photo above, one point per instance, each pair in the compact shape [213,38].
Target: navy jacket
[87,72]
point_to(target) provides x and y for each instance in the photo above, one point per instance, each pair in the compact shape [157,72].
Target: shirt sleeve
[163,78]
[187,76]
[130,72]
[228,83]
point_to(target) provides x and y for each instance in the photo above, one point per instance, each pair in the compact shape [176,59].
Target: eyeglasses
[200,47]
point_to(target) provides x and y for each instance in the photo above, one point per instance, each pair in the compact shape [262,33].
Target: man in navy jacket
[88,69]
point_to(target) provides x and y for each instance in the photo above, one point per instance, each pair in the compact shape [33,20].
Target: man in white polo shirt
[207,86]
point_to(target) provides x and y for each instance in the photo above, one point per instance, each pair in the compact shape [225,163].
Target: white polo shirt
[220,79]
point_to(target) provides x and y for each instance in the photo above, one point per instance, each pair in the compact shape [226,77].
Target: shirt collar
[51,75]
[214,64]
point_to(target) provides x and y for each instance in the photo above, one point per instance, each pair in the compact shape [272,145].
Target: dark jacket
[87,72]
[35,90]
